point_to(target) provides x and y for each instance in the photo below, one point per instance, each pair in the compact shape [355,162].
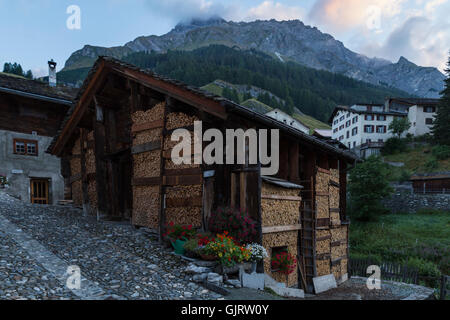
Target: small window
[25,147]
[381,118]
[276,251]
[429,121]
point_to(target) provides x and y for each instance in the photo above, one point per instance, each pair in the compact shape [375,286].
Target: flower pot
[254,265]
[208,257]
[179,246]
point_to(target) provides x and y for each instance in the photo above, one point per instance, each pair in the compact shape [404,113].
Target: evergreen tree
[29,75]
[441,128]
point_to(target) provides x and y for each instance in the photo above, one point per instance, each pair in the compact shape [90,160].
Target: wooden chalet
[117,140]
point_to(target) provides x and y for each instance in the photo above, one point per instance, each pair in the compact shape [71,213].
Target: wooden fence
[389,270]
[400,273]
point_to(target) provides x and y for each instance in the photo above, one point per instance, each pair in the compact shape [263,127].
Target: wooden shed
[431,183]
[117,139]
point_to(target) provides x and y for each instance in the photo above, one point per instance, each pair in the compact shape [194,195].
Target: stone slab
[324,283]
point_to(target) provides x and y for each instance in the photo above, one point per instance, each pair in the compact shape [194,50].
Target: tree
[368,185]
[29,75]
[399,125]
[441,128]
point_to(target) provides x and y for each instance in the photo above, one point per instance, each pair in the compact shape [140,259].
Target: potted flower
[179,235]
[227,252]
[257,254]
[284,263]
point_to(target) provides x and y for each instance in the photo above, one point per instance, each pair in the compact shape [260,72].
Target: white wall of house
[421,119]
[354,129]
[287,119]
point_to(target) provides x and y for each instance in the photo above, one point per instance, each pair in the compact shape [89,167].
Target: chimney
[52,73]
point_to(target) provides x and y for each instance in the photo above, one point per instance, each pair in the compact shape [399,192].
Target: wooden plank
[147,126]
[76,178]
[186,180]
[184,202]
[278,197]
[325,222]
[319,169]
[183,172]
[139,182]
[322,194]
[336,244]
[323,238]
[334,184]
[146,147]
[296,227]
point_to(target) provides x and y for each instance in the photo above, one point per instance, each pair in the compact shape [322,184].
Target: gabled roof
[415,101]
[206,101]
[36,89]
[346,108]
[431,176]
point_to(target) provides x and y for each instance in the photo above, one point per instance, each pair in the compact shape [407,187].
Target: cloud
[274,10]
[347,14]
[182,10]
[419,39]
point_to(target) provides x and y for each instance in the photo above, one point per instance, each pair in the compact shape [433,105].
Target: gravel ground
[126,263]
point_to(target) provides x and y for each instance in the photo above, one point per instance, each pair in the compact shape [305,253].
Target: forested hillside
[314,92]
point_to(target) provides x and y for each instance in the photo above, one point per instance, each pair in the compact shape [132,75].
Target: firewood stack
[280,212]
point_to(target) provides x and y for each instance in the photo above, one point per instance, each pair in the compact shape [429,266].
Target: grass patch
[416,160]
[422,239]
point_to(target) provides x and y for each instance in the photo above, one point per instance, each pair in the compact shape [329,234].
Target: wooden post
[294,175]
[84,179]
[101,172]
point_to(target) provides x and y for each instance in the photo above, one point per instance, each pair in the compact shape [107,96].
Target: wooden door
[39,191]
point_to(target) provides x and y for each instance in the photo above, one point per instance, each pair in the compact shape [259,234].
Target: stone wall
[405,201]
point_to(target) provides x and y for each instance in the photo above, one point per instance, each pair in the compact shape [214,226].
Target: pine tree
[441,128]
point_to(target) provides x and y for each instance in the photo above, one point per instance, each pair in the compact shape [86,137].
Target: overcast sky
[33,31]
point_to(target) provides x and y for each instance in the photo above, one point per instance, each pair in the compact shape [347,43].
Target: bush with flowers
[226,250]
[238,224]
[257,252]
[179,232]
[284,263]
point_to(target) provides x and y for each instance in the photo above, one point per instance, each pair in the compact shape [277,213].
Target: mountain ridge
[285,40]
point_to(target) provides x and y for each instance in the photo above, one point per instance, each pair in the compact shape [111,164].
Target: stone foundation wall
[404,201]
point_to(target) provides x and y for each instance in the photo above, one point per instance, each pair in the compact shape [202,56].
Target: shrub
[368,185]
[191,248]
[441,152]
[394,146]
[431,164]
[178,232]
[428,211]
[284,263]
[238,224]
[428,271]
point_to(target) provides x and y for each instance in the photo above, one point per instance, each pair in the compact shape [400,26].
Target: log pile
[146,199]
[280,212]
[276,240]
[179,120]
[331,240]
[181,214]
[146,206]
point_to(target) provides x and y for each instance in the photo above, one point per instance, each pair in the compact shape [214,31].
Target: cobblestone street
[39,243]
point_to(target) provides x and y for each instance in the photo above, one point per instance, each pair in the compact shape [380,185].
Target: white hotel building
[364,128]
